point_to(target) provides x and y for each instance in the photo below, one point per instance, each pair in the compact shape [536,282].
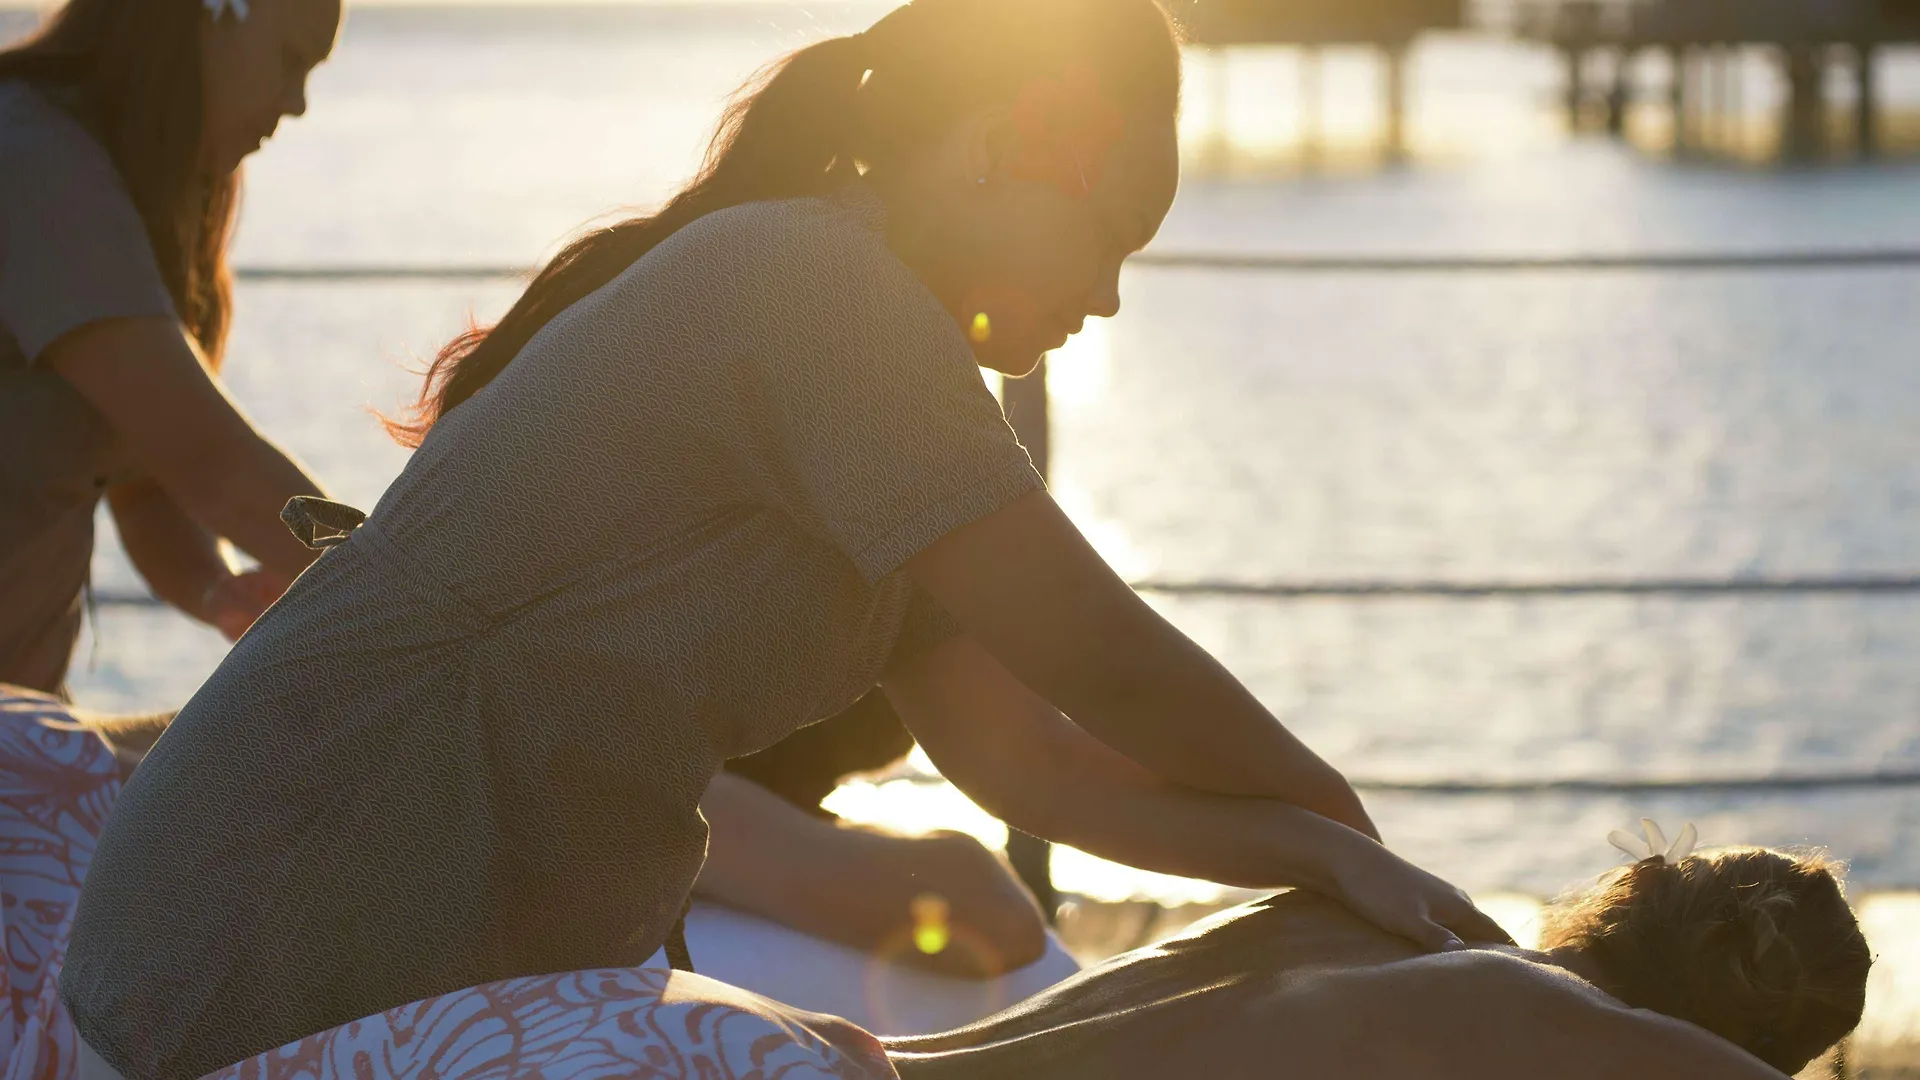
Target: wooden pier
[1702,39]
[1391,26]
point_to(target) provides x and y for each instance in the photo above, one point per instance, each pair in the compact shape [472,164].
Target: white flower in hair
[1654,845]
[217,8]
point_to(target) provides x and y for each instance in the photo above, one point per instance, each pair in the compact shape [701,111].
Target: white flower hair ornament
[217,8]
[1654,845]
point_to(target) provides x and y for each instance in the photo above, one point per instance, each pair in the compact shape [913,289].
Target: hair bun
[1756,946]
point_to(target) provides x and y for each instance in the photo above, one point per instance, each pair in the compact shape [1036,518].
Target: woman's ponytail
[790,134]
[802,125]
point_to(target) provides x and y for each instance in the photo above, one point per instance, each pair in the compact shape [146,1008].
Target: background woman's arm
[150,382]
[1023,761]
[184,564]
[1031,590]
[856,886]
[180,560]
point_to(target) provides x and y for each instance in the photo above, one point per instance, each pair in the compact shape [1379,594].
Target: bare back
[1294,986]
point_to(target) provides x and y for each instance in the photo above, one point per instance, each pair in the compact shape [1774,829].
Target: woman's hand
[861,887]
[985,922]
[233,603]
[1403,899]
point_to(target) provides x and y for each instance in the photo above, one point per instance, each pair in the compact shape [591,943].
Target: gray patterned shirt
[471,742]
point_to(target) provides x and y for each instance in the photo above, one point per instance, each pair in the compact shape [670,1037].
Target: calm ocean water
[1273,426]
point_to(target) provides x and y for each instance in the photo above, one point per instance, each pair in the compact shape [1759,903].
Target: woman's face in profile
[254,72]
[1047,249]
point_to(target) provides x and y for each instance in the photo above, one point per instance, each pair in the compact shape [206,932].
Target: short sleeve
[888,434]
[73,250]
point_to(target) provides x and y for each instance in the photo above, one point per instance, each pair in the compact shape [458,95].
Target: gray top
[471,742]
[73,251]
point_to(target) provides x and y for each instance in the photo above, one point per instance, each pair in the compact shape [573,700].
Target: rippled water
[1275,426]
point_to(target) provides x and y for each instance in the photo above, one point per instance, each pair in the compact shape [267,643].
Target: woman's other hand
[184,564]
[982,922]
[864,888]
[233,603]
[1403,899]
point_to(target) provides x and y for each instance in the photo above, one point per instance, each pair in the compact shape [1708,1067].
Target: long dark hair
[800,127]
[130,71]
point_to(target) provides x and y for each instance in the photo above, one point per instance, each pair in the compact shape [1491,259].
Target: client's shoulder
[1498,1013]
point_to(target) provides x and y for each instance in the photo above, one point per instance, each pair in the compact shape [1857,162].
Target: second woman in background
[123,124]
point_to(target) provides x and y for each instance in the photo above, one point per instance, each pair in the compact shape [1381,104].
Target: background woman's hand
[1403,899]
[233,603]
[992,924]
[859,886]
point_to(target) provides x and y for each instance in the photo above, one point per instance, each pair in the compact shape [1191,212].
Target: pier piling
[1677,97]
[1805,136]
[1395,94]
[1866,106]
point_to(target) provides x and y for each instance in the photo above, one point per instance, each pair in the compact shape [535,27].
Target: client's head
[1756,946]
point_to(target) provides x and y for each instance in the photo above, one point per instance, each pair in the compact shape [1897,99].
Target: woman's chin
[1013,361]
[1012,367]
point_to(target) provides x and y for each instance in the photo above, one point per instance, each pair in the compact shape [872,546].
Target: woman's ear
[992,140]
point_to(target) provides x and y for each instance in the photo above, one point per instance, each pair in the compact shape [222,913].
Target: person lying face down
[1738,963]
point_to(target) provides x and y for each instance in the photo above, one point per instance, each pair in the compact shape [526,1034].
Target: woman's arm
[150,382]
[1023,761]
[857,886]
[183,563]
[1035,594]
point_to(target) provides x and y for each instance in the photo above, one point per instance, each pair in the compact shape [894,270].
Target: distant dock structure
[1702,39]
[1391,26]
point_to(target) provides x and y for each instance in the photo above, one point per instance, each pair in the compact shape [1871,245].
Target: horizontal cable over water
[1841,259]
[1455,590]
[1620,785]
[1429,264]
[1775,784]
[1475,590]
[1725,785]
[1442,590]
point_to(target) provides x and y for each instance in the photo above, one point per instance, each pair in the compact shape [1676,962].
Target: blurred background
[1619,303]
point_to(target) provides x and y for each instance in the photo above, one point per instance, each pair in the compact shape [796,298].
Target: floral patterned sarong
[57,782]
[629,1024]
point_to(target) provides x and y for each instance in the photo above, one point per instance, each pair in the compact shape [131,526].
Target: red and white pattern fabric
[57,782]
[630,1024]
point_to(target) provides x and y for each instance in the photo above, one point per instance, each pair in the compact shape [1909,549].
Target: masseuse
[122,127]
[113,293]
[715,474]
